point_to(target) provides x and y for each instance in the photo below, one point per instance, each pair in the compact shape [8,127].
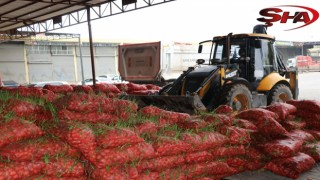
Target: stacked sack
[138,89]
[283,147]
[85,134]
[26,150]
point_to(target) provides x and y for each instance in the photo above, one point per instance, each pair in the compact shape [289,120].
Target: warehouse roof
[19,18]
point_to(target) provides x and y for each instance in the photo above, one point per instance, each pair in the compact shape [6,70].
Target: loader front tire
[238,97]
[279,93]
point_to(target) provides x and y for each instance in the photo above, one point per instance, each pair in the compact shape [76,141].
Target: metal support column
[81,61]
[91,47]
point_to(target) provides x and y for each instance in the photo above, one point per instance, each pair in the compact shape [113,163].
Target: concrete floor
[309,85]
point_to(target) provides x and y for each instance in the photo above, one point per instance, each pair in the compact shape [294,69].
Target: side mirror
[200,48]
[200,61]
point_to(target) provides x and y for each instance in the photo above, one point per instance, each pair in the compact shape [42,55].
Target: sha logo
[303,15]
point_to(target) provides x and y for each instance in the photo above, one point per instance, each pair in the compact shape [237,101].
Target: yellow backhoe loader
[243,71]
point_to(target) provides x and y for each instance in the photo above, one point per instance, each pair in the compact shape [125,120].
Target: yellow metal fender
[269,81]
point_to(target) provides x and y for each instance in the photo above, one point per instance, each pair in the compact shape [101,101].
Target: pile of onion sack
[87,132]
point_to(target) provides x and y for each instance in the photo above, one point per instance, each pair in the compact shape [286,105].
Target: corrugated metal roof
[21,18]
[19,13]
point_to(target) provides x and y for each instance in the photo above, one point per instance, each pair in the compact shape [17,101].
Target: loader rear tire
[279,93]
[238,97]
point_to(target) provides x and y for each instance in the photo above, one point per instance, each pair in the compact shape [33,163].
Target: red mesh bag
[20,108]
[231,151]
[210,168]
[122,87]
[151,111]
[37,149]
[301,135]
[242,123]
[315,134]
[223,109]
[28,91]
[92,117]
[16,129]
[63,89]
[136,87]
[291,167]
[253,153]
[270,127]
[144,92]
[125,106]
[192,124]
[310,105]
[165,146]
[197,157]
[173,117]
[146,128]
[64,167]
[236,135]
[237,162]
[83,88]
[48,95]
[115,137]
[313,124]
[256,113]
[307,114]
[282,109]
[105,88]
[282,148]
[253,165]
[114,173]
[81,102]
[204,140]
[120,155]
[312,150]
[45,177]
[293,124]
[160,163]
[175,173]
[83,138]
[148,176]
[20,170]
[218,119]
[152,87]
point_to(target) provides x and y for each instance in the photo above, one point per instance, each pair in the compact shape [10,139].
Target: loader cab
[253,54]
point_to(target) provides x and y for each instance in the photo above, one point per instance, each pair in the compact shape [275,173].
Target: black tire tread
[276,89]
[227,95]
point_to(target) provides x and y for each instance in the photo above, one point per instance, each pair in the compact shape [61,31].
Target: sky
[197,20]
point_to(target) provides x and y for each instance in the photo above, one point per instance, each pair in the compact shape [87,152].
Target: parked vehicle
[112,78]
[10,83]
[41,84]
[106,78]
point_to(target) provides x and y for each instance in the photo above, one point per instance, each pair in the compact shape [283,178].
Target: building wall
[26,63]
[12,62]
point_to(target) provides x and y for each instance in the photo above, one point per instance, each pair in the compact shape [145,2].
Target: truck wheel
[279,93]
[238,97]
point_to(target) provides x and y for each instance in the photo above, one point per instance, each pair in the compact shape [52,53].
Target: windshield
[207,47]
[237,50]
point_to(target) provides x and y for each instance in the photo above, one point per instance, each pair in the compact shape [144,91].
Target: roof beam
[5,3]
[99,10]
[39,9]
[16,9]
[54,2]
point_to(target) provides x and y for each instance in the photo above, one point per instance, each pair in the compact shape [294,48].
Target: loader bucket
[186,104]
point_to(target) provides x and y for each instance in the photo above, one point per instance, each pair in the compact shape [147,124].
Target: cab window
[264,59]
